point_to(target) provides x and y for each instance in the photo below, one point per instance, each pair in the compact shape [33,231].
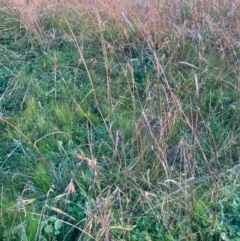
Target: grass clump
[117,123]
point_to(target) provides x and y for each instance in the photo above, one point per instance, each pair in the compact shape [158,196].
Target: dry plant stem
[55,75]
[178,104]
[91,81]
[132,87]
[29,14]
[194,135]
[161,159]
[105,58]
[59,211]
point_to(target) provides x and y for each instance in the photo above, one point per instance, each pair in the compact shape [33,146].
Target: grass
[119,121]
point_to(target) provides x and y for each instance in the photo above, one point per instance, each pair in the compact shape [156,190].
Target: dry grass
[149,20]
[171,152]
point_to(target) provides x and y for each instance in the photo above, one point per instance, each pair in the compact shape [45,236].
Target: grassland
[119,120]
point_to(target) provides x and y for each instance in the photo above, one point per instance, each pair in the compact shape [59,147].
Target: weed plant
[119,120]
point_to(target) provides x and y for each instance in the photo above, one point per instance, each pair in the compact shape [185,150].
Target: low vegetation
[119,120]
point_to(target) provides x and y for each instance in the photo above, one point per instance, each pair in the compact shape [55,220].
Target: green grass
[110,134]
